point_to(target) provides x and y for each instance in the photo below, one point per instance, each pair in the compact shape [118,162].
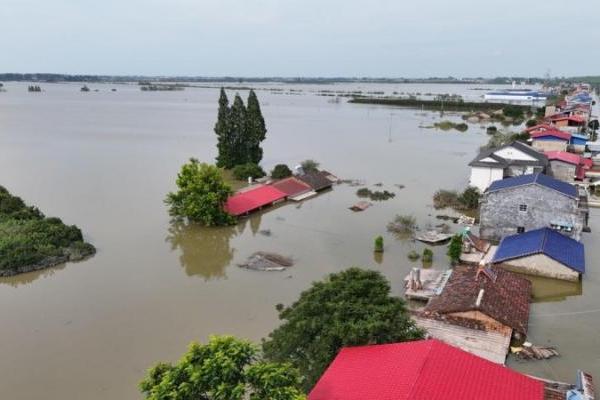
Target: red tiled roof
[292,186]
[505,298]
[564,156]
[250,200]
[421,370]
[553,132]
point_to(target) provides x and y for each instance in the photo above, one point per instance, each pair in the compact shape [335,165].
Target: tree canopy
[201,196]
[240,131]
[353,307]
[226,368]
[29,240]
[281,171]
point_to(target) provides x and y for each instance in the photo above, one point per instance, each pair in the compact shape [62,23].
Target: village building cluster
[533,213]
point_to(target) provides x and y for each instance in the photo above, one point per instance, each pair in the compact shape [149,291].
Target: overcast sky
[378,38]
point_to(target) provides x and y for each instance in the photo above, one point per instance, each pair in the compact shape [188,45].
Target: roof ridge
[431,343]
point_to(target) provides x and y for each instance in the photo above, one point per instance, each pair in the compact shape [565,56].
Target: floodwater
[105,160]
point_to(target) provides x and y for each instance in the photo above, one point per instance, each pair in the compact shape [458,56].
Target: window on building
[523,207]
[562,227]
[520,229]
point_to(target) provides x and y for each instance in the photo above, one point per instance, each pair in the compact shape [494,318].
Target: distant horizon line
[49,76]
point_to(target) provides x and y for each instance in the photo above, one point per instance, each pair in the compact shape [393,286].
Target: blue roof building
[542,252]
[538,179]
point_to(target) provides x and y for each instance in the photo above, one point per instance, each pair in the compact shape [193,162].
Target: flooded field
[105,161]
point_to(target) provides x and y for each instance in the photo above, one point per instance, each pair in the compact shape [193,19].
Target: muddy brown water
[105,160]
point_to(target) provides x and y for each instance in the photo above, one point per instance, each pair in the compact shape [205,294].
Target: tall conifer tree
[256,130]
[237,126]
[223,131]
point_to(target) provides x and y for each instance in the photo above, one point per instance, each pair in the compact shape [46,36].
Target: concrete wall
[500,215]
[541,265]
[562,170]
[549,145]
[482,177]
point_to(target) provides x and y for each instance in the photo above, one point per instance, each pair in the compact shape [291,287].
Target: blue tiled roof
[546,241]
[540,179]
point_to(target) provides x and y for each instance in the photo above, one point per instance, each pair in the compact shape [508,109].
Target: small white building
[510,160]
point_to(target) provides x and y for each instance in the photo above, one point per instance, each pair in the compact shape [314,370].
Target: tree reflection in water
[206,251]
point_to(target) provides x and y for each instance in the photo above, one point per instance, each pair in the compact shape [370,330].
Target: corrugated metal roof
[420,370]
[546,241]
[539,179]
[250,200]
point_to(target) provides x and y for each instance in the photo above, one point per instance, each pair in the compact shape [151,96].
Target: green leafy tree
[469,199]
[427,256]
[201,195]
[226,368]
[244,171]
[281,171]
[256,130]
[222,129]
[455,248]
[352,307]
[309,166]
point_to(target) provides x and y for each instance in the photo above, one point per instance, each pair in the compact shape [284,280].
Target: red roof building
[420,370]
[564,156]
[540,127]
[556,133]
[253,199]
[292,186]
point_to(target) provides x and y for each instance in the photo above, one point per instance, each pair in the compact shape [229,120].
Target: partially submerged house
[528,202]
[294,188]
[542,252]
[420,370]
[513,159]
[253,199]
[474,248]
[317,180]
[550,140]
[489,304]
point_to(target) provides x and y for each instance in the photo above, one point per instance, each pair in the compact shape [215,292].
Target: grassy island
[30,241]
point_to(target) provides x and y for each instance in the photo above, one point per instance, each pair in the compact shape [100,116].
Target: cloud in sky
[300,38]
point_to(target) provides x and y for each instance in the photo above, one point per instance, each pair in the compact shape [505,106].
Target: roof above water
[501,162]
[420,370]
[505,298]
[563,249]
[537,179]
[252,199]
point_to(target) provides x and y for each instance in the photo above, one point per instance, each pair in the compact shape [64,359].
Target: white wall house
[512,159]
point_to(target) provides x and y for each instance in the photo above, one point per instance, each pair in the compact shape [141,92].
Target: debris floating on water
[433,237]
[531,352]
[265,261]
[361,206]
[265,232]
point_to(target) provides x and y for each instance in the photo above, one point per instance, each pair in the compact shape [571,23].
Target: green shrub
[413,255]
[491,130]
[379,244]
[245,171]
[469,199]
[281,171]
[462,127]
[427,256]
[530,123]
[455,249]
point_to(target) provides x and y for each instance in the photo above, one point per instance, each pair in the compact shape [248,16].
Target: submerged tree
[226,368]
[201,196]
[349,308]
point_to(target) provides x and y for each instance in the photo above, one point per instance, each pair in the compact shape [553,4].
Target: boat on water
[516,95]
